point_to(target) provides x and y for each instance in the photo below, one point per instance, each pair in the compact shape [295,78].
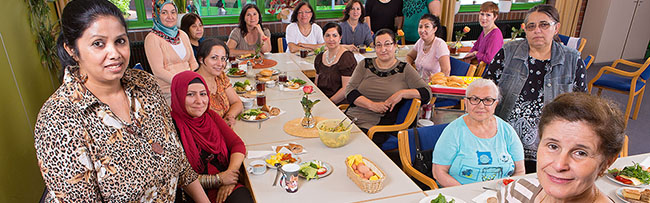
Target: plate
[298,160]
[236,76]
[275,71]
[448,197]
[267,118]
[325,164]
[619,194]
[311,53]
[612,178]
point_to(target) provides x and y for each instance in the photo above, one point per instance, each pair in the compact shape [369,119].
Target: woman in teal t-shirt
[478,146]
[413,11]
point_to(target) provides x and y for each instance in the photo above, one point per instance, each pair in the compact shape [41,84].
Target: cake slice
[631,194]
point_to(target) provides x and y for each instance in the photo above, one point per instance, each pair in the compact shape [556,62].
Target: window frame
[142,22]
[515,6]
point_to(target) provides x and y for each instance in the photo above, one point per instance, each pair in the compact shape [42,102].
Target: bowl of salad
[334,133]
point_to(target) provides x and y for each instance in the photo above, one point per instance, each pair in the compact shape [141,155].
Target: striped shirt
[522,190]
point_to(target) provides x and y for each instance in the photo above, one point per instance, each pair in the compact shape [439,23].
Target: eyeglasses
[488,101]
[387,44]
[542,25]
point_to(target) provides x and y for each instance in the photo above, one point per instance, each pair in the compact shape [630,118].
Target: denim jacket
[564,63]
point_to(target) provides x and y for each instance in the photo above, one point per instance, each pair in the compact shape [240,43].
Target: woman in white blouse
[303,33]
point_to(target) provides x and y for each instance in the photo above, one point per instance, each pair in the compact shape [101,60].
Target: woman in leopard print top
[106,134]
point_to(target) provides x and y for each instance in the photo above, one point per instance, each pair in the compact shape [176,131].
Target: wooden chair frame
[636,75]
[583,42]
[593,58]
[280,45]
[625,147]
[410,117]
[407,166]
[480,69]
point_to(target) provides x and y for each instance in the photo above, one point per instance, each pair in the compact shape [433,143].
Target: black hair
[196,80]
[549,11]
[206,46]
[434,19]
[188,20]
[77,16]
[385,31]
[294,15]
[348,7]
[242,15]
[332,25]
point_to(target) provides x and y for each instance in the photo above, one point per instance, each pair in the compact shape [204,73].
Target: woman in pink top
[490,40]
[168,49]
[430,54]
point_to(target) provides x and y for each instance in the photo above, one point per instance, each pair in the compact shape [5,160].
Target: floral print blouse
[87,154]
[218,99]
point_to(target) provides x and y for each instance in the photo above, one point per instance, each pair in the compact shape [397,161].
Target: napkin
[258,154]
[646,162]
[285,150]
[358,57]
[484,196]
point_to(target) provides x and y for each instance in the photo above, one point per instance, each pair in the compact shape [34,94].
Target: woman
[355,31]
[245,38]
[430,54]
[413,12]
[213,57]
[168,49]
[101,135]
[478,146]
[384,14]
[531,73]
[212,148]
[490,40]
[192,24]
[379,84]
[303,33]
[334,66]
[580,137]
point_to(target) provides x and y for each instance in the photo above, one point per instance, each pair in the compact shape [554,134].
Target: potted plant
[516,32]
[123,5]
[46,31]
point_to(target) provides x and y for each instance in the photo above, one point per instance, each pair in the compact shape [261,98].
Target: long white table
[337,187]
[469,191]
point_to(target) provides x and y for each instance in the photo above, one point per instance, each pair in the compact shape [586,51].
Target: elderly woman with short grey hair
[485,146]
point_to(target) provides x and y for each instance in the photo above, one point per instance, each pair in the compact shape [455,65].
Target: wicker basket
[369,186]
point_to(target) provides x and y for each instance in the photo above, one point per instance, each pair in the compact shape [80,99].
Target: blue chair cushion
[458,67]
[428,137]
[446,102]
[403,111]
[390,144]
[618,82]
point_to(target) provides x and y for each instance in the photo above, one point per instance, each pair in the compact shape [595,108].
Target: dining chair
[428,137]
[282,44]
[405,118]
[624,82]
[625,147]
[480,69]
[588,61]
[573,42]
[458,68]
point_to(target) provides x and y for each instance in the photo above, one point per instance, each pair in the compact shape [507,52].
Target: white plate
[298,160]
[267,118]
[447,197]
[612,178]
[325,164]
[619,194]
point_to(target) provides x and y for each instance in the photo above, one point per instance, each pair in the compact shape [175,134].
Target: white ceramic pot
[504,6]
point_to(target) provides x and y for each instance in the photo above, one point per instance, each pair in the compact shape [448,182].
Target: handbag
[423,159]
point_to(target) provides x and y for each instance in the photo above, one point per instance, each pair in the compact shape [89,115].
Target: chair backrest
[282,44]
[403,111]
[646,73]
[588,61]
[625,147]
[573,42]
[428,137]
[460,68]
[480,69]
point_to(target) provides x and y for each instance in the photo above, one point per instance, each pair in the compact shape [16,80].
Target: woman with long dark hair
[245,38]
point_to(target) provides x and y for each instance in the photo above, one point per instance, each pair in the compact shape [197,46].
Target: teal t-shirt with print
[413,11]
[473,159]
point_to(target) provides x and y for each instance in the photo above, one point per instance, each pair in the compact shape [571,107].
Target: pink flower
[308,89]
[523,26]
[466,29]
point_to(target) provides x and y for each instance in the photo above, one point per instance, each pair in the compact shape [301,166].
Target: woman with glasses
[303,33]
[213,57]
[430,54]
[490,40]
[478,146]
[245,38]
[531,73]
[378,86]
[168,49]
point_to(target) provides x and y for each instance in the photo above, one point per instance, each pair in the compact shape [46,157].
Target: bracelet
[218,180]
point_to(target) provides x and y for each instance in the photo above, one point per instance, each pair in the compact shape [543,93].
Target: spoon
[341,121]
[489,188]
[353,120]
[277,173]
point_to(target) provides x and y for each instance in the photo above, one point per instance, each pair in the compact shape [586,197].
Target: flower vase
[513,36]
[308,121]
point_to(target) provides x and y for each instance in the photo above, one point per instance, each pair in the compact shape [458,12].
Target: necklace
[329,59]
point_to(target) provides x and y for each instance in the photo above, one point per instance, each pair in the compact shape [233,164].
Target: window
[474,5]
[227,11]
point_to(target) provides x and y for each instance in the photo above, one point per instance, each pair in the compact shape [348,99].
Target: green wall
[24,86]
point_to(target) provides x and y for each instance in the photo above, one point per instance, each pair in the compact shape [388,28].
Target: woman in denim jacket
[531,73]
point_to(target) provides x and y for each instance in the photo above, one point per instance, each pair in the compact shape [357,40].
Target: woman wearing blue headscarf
[168,49]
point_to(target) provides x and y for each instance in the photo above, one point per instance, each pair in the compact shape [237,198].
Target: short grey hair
[481,82]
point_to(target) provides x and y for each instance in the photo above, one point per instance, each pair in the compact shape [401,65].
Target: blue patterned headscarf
[170,34]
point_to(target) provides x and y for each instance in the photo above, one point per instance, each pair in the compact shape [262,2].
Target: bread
[274,111]
[631,194]
[645,196]
[294,148]
[492,200]
[264,79]
[266,73]
[266,108]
